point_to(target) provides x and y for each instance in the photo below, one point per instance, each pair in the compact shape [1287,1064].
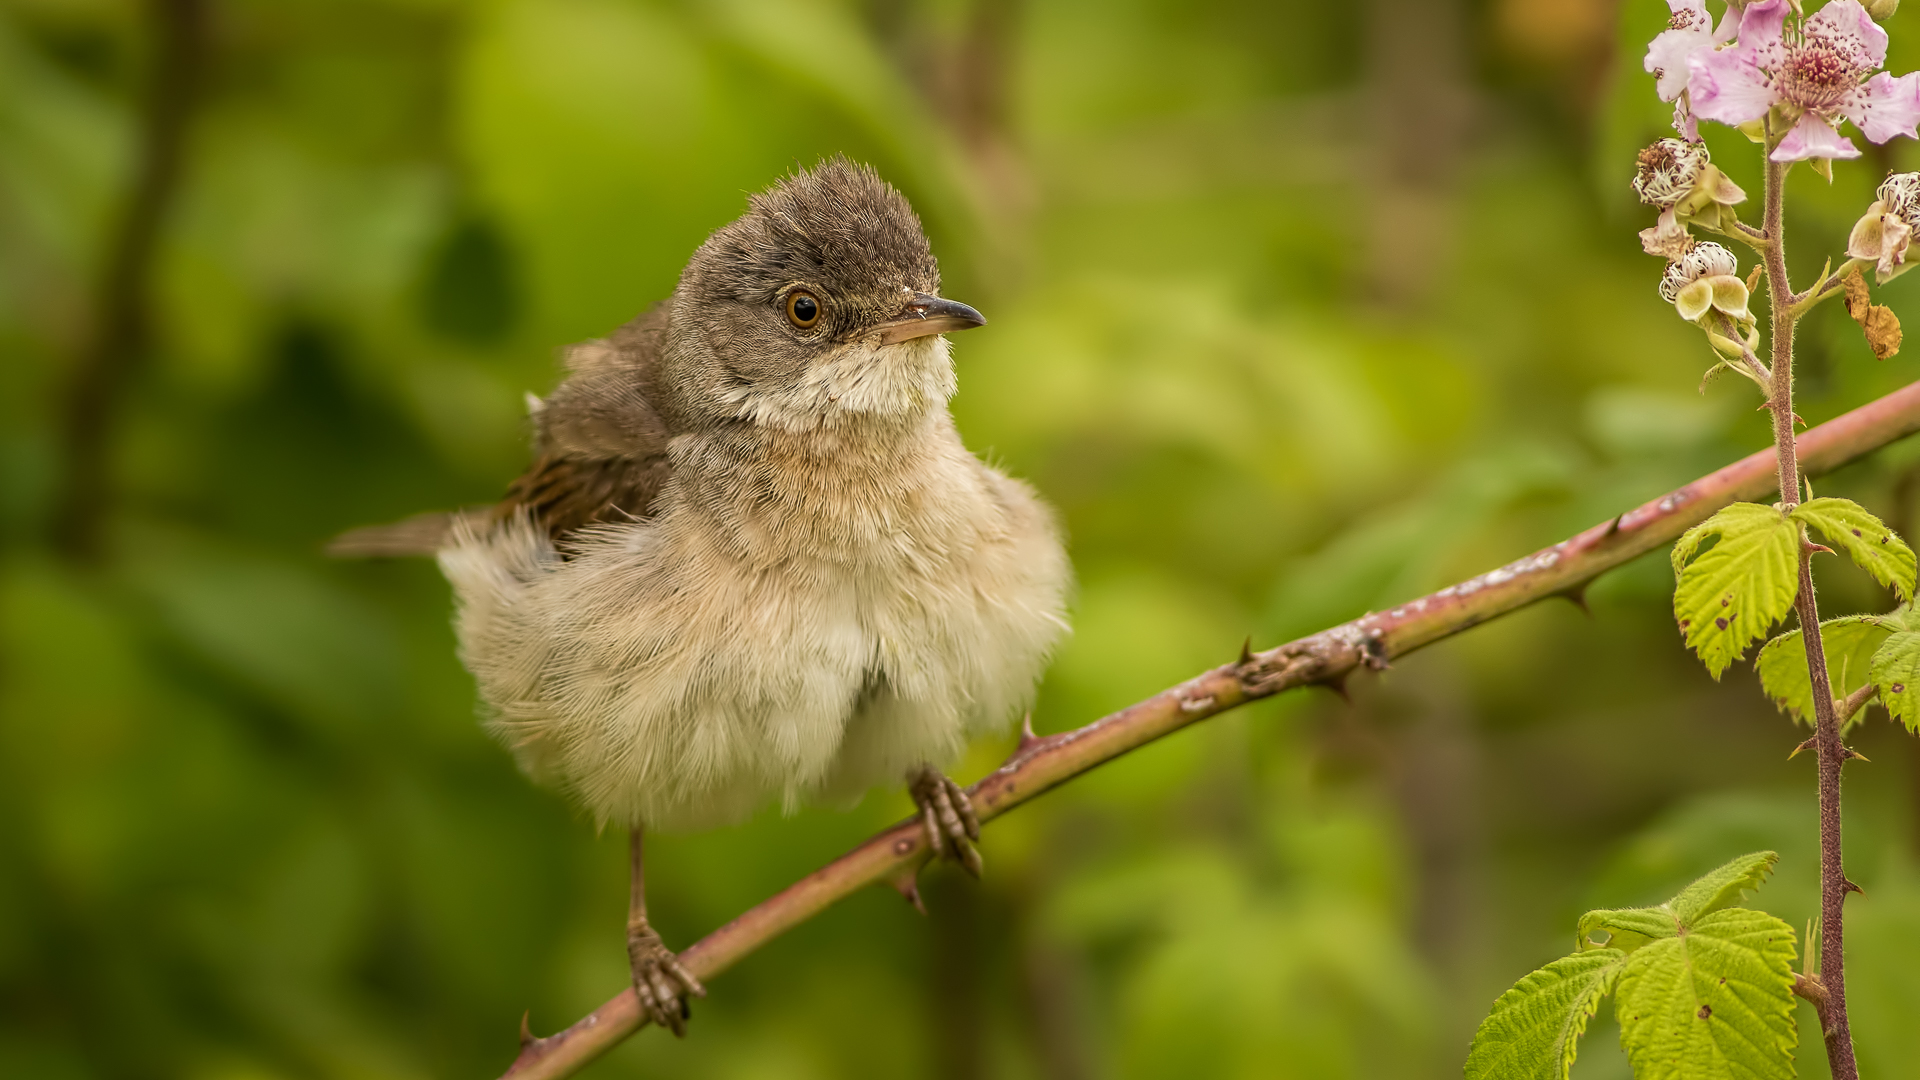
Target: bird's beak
[925,314]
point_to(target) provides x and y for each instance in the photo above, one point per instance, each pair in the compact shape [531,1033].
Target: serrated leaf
[1534,1029]
[1722,887]
[1715,1002]
[1851,643]
[1866,539]
[1729,595]
[1627,928]
[1630,928]
[1900,618]
[1895,669]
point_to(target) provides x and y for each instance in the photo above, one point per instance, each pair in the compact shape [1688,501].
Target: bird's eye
[803,310]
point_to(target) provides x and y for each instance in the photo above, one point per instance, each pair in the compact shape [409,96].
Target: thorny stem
[1832,754]
[1326,658]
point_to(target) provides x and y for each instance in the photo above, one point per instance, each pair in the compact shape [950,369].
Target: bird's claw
[660,980]
[947,815]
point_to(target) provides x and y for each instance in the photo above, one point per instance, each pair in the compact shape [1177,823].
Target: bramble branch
[1326,658]
[119,335]
[1831,752]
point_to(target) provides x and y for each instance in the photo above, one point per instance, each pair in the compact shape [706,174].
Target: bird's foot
[948,817]
[660,980]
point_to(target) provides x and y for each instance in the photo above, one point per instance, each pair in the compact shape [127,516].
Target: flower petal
[1694,299]
[1667,238]
[1813,137]
[1847,24]
[1893,247]
[1760,23]
[1721,186]
[1729,295]
[1729,86]
[1868,234]
[1729,25]
[1683,121]
[1885,106]
[1667,58]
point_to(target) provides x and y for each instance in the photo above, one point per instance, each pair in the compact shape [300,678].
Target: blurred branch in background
[1421,107]
[965,74]
[120,330]
[1326,659]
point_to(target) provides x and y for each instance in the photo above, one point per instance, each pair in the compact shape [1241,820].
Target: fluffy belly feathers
[656,699]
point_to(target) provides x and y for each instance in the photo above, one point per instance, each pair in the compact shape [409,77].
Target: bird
[752,561]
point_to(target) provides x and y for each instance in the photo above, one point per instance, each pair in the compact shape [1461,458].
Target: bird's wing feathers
[600,451]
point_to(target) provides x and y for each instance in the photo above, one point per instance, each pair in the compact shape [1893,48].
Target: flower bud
[1668,170]
[1882,10]
[1704,280]
[1901,194]
[1882,234]
[1678,177]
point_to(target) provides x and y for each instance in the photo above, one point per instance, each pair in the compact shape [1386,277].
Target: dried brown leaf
[1877,321]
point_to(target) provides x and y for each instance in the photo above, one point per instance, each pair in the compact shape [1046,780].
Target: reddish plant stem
[1326,658]
[1831,752]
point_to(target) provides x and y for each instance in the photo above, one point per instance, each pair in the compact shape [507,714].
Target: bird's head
[821,304]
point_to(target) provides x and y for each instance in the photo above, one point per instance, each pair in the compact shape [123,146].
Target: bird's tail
[421,534]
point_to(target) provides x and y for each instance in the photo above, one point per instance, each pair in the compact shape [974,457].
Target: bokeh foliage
[1298,309]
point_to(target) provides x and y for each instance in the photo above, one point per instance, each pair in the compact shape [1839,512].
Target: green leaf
[1866,539]
[1714,1002]
[1534,1029]
[1734,592]
[1723,887]
[1630,928]
[1851,642]
[1627,928]
[1895,670]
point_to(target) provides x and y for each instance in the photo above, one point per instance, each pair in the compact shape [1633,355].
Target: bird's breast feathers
[756,640]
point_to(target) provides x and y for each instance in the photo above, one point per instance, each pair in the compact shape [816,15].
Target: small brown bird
[752,559]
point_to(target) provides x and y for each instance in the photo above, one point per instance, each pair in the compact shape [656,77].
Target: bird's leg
[658,977]
[948,816]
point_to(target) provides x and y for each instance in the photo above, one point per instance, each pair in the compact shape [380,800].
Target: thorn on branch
[1338,684]
[907,884]
[1855,755]
[1851,887]
[1577,595]
[1808,745]
[1812,548]
[1027,737]
[1246,651]
[526,1031]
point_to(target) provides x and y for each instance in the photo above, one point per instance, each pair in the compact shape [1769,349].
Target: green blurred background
[1298,309]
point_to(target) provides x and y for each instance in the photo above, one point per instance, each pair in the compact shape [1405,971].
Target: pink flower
[1689,31]
[1822,68]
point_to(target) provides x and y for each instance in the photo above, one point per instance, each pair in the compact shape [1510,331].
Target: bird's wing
[600,451]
